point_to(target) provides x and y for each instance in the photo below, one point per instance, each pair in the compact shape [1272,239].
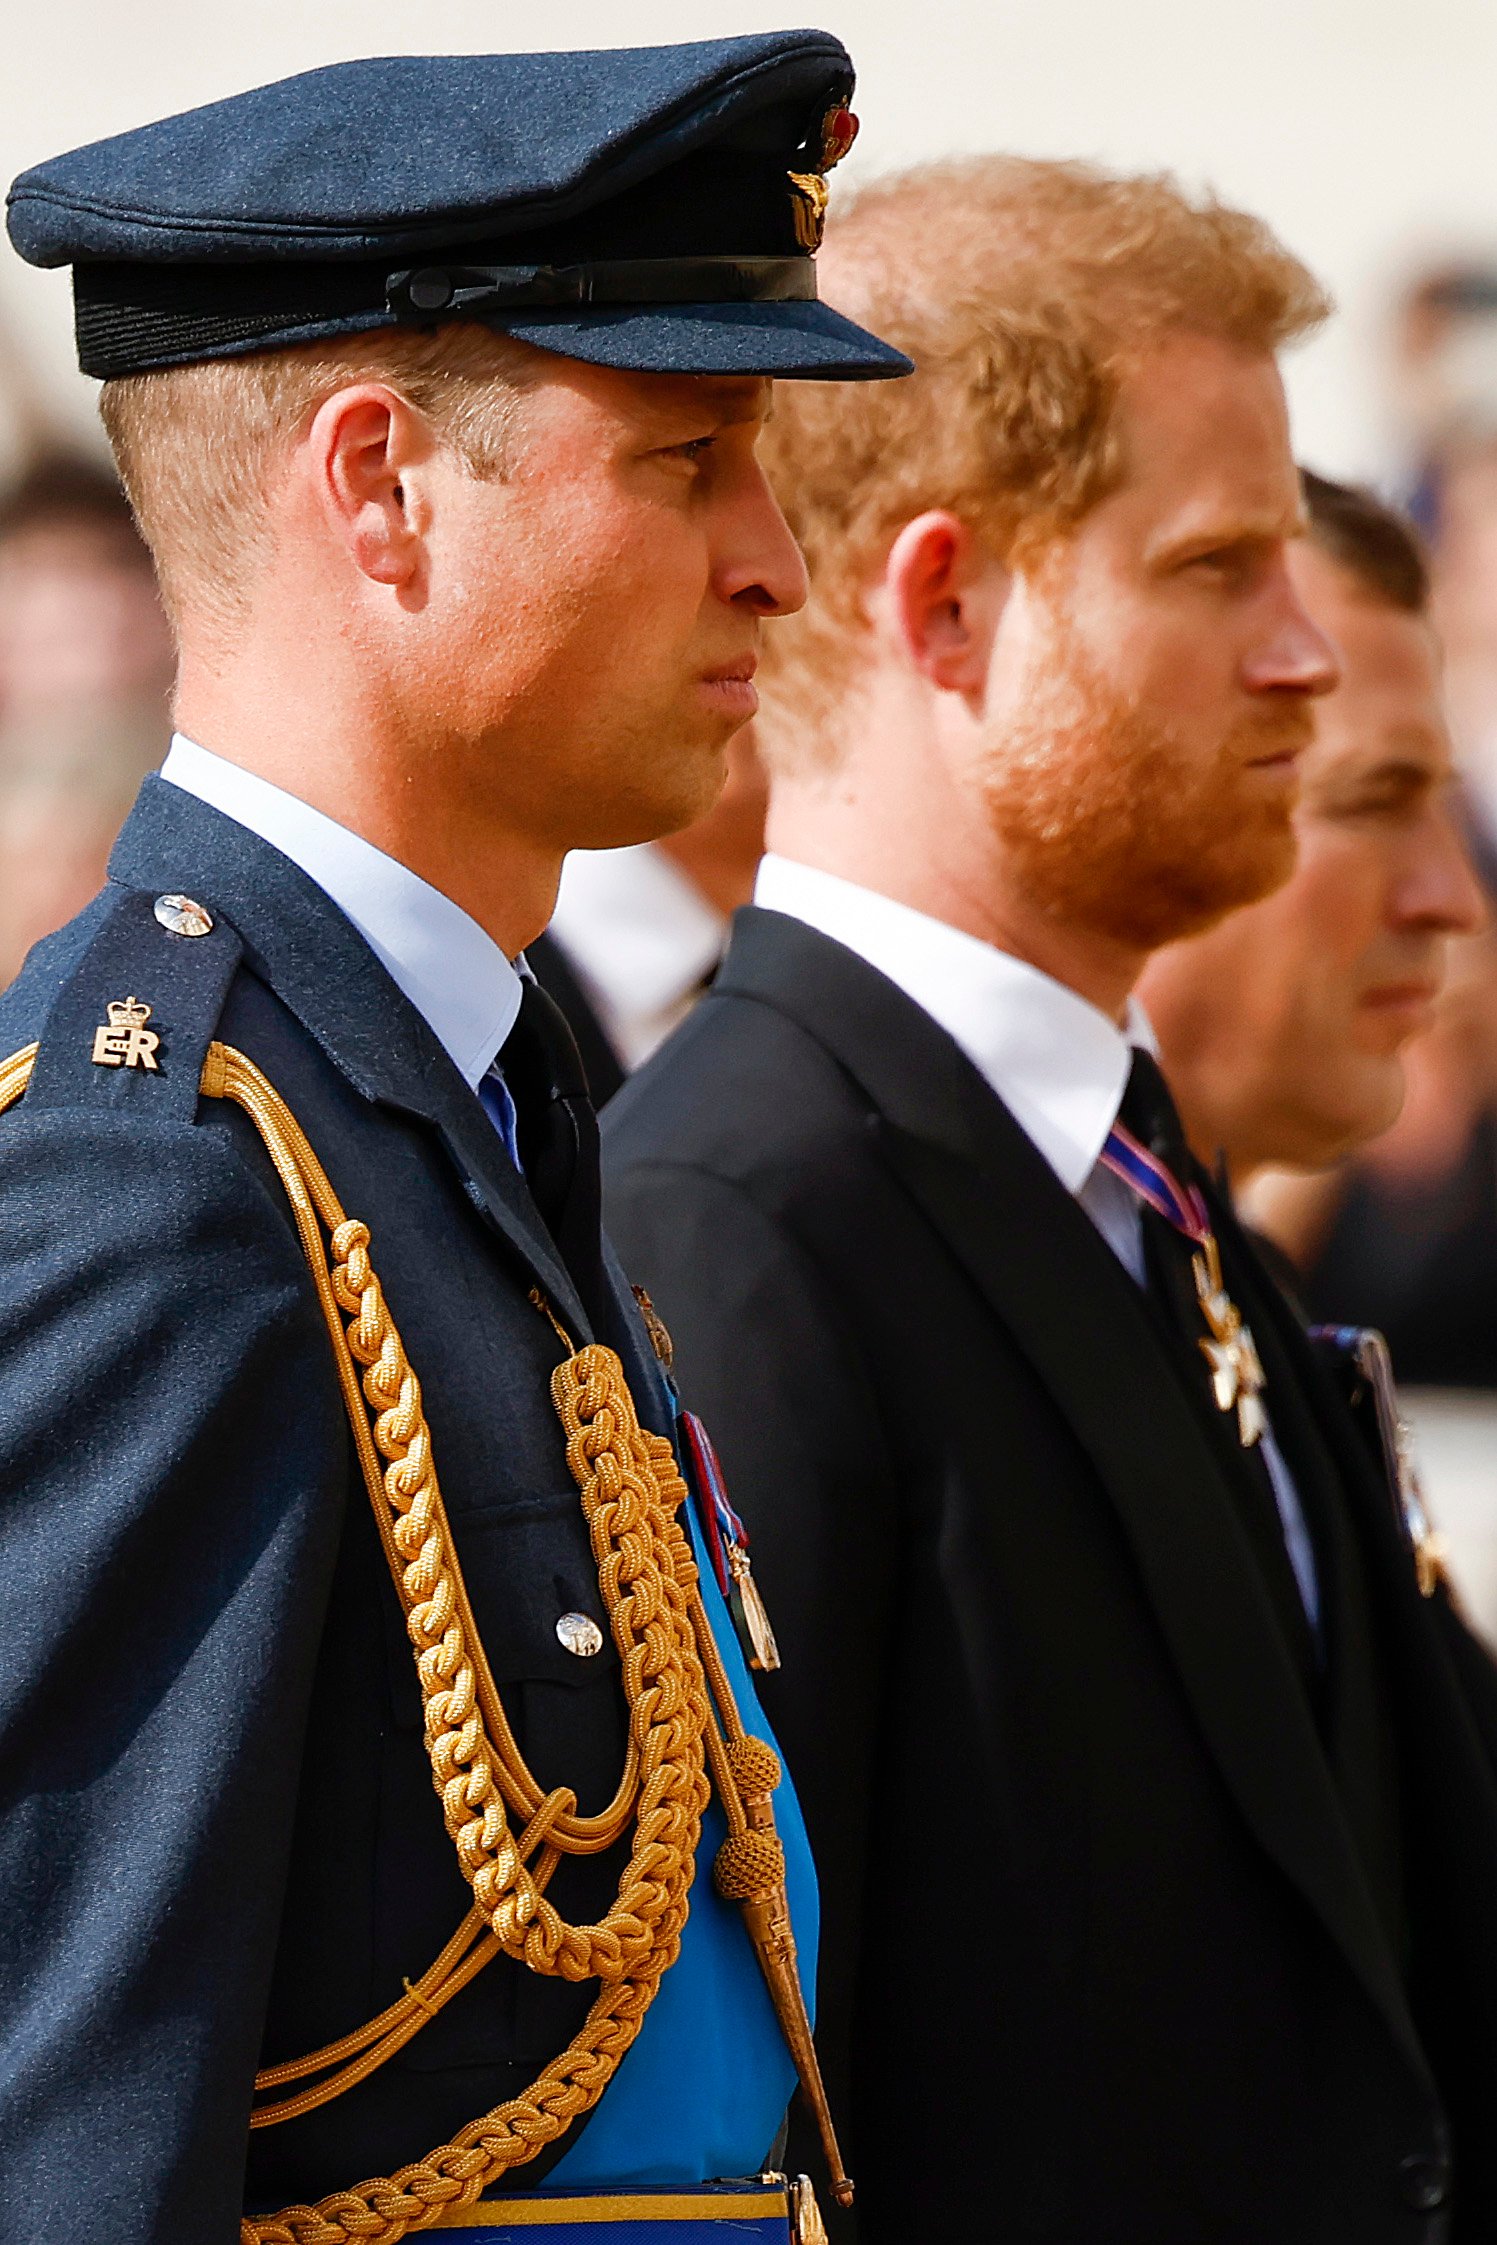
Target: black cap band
[457,291]
[135,318]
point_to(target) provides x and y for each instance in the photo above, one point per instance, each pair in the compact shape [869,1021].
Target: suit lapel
[1073,1310]
[310,954]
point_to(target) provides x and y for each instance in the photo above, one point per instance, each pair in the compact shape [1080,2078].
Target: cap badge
[124,1041]
[183,915]
[839,129]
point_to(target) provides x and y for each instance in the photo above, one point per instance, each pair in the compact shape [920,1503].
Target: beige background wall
[1365,129]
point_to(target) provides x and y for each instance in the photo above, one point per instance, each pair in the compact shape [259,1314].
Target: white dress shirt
[454,974]
[641,939]
[1059,1065]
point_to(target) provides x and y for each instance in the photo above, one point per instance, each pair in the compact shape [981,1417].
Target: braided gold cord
[647,1580]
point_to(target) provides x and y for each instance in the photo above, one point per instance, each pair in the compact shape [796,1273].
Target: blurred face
[593,616]
[80,620]
[1153,684]
[1282,1028]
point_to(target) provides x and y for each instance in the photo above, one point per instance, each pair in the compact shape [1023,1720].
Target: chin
[646,815]
[1369,1109]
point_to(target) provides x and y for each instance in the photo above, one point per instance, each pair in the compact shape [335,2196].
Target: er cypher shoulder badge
[124,1041]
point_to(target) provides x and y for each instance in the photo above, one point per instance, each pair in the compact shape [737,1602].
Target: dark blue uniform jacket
[219,1843]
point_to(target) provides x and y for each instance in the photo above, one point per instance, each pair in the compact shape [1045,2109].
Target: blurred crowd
[1402,1235]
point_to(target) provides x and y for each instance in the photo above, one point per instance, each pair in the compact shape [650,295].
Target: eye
[697,449]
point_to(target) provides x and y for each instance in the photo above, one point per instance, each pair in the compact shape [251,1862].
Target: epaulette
[131,1024]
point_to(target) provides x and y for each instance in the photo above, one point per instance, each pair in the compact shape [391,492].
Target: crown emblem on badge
[809,190]
[124,1041]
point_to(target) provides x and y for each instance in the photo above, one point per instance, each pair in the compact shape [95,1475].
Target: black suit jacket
[1103,1960]
[220,1846]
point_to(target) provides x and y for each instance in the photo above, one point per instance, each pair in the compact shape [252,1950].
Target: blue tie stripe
[499,1105]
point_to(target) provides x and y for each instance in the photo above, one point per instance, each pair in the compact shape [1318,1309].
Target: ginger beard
[1113,822]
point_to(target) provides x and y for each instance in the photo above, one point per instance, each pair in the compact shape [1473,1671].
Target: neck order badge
[1236,1373]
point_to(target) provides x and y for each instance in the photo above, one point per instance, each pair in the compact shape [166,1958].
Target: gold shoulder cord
[682,1719]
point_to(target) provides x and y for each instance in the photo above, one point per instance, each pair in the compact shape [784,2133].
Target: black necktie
[557,1131]
[1149,1110]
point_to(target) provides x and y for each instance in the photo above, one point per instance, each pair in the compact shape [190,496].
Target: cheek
[1160,652]
[622,588]
[1271,974]
[1339,890]
[535,550]
[1323,925]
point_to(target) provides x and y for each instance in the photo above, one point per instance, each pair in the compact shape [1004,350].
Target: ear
[366,446]
[945,595]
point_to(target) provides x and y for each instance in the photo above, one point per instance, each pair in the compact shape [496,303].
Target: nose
[760,566]
[1294,655]
[1439,891]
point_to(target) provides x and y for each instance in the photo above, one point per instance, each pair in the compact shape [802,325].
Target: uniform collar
[1057,1063]
[452,972]
[305,949]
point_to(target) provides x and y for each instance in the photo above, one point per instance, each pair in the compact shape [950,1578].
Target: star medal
[1236,1373]
[1237,1381]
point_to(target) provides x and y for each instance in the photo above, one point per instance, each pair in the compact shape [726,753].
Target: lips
[1398,997]
[1393,1012]
[738,672]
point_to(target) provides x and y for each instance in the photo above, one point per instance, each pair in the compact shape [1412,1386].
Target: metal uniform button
[1424,2180]
[580,1634]
[182,915]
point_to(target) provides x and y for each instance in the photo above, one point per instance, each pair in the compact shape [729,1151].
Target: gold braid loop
[649,1617]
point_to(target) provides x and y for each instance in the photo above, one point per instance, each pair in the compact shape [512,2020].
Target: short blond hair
[197,446]
[1022,290]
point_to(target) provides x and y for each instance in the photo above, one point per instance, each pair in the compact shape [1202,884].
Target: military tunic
[221,1846]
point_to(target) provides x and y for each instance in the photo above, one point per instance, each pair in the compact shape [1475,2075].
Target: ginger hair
[1023,290]
[198,446]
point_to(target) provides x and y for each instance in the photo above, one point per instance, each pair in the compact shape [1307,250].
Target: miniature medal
[727,1541]
[1236,1374]
[1237,1381]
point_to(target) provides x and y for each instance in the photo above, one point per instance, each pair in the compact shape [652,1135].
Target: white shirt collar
[454,974]
[642,938]
[1057,1063]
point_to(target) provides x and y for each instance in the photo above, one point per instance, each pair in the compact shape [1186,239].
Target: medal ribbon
[1181,1205]
[1236,1373]
[720,1522]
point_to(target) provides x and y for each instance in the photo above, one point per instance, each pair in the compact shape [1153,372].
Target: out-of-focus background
[1362,129]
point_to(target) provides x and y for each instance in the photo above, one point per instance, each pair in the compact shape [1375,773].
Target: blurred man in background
[1289,1032]
[1282,1029]
[85,667]
[1105,1663]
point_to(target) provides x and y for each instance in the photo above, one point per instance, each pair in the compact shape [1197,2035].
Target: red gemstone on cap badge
[839,130]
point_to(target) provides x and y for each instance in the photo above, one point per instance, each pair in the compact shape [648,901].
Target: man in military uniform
[359,1695]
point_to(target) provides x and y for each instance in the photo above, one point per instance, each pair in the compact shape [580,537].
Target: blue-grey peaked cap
[656,208]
